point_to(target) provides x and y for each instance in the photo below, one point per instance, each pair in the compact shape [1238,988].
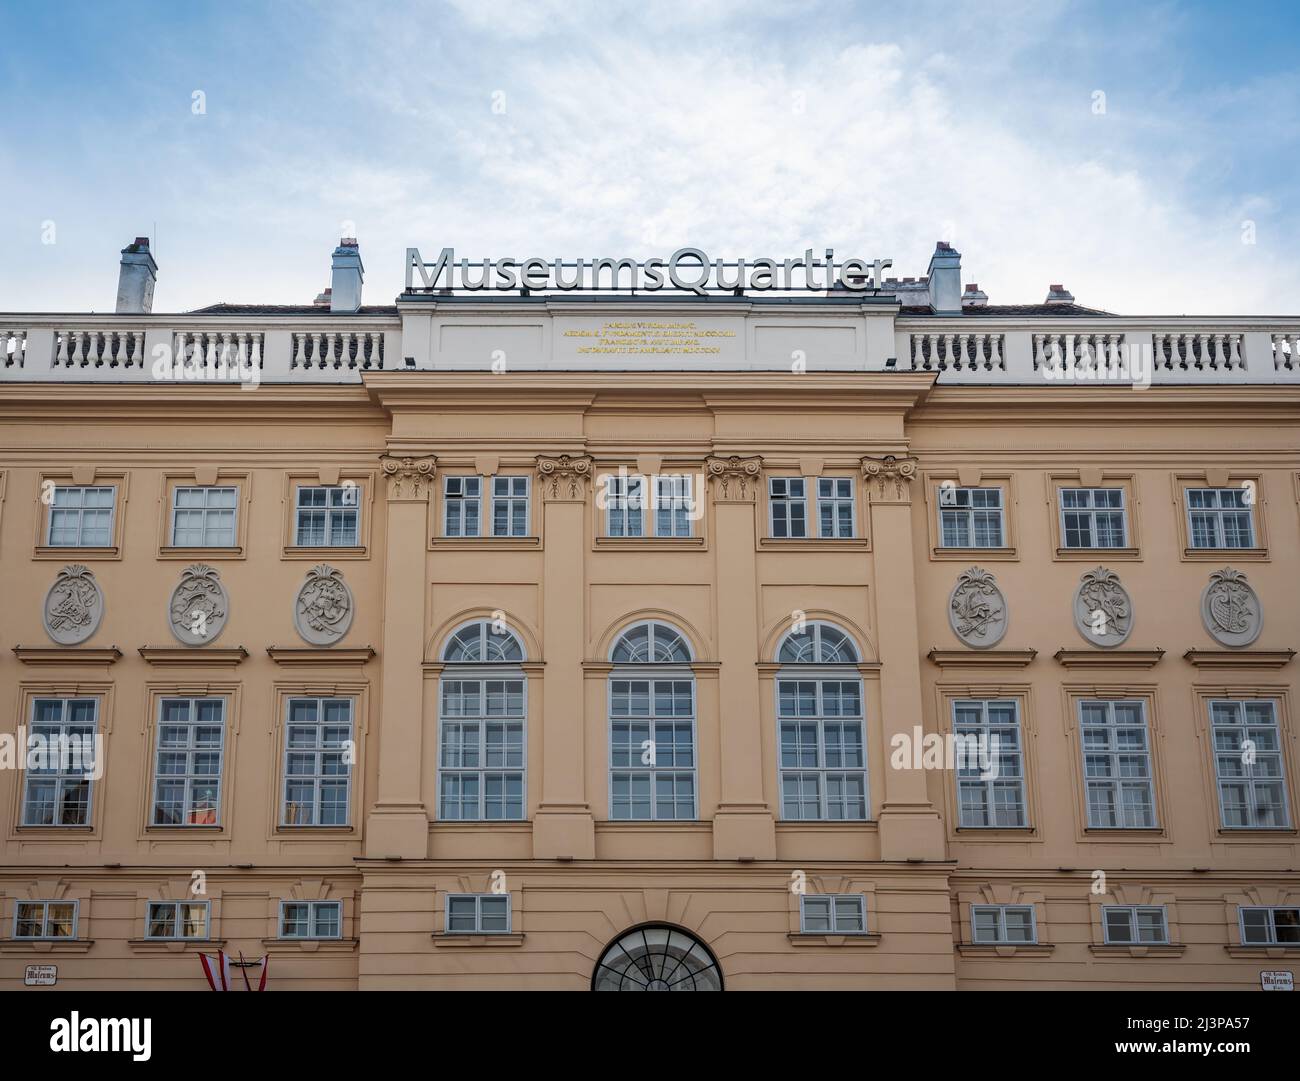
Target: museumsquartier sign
[687,269]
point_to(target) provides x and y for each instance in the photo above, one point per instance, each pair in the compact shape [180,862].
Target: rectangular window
[1135,925]
[478,914]
[624,503]
[652,748]
[1248,764]
[311,919]
[187,774]
[56,788]
[481,757]
[835,506]
[82,517]
[822,752]
[674,502]
[1220,517]
[1093,518]
[328,517]
[1269,926]
[971,518]
[1003,925]
[462,506]
[45,919]
[1117,764]
[788,499]
[833,914]
[509,506]
[204,517]
[318,755]
[994,797]
[177,919]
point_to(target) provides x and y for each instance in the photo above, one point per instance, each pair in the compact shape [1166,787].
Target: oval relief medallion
[322,611]
[199,606]
[1230,609]
[977,610]
[1103,610]
[74,605]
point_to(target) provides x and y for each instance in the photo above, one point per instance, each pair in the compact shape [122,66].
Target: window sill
[1254,555]
[1124,833]
[1149,950]
[325,552]
[325,831]
[309,945]
[1005,949]
[1010,833]
[174,945]
[788,825]
[177,831]
[779,543]
[974,553]
[46,945]
[1265,832]
[69,552]
[1273,951]
[648,544]
[223,551]
[816,938]
[52,831]
[457,938]
[1095,554]
[478,543]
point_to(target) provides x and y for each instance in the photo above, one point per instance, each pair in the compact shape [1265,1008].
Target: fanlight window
[657,959]
[485,642]
[651,643]
[818,643]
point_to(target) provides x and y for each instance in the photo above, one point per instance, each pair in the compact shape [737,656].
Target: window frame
[833,915]
[943,507]
[483,674]
[109,542]
[177,935]
[19,902]
[478,899]
[1272,941]
[1218,513]
[1135,928]
[205,510]
[459,503]
[788,501]
[510,499]
[1091,511]
[60,777]
[1240,704]
[1001,914]
[1116,781]
[191,748]
[330,510]
[312,907]
[653,673]
[984,726]
[837,502]
[319,749]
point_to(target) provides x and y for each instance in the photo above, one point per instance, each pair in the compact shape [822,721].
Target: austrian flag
[217,971]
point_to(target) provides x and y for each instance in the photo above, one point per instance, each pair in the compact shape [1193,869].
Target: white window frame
[80,510]
[1271,927]
[484,676]
[1216,515]
[510,499]
[674,496]
[206,511]
[987,728]
[820,676]
[834,901]
[1134,927]
[319,748]
[178,924]
[1089,515]
[1000,914]
[1114,780]
[1249,778]
[456,507]
[836,502]
[653,674]
[478,899]
[63,780]
[949,503]
[44,936]
[190,748]
[312,908]
[625,505]
[788,501]
[332,510]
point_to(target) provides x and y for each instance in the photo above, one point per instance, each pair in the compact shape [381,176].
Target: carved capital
[735,479]
[892,477]
[563,479]
[409,477]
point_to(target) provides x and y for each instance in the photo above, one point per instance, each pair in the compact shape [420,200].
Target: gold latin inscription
[649,336]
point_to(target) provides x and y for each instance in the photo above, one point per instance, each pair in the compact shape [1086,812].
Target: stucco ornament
[1103,610]
[1230,609]
[977,610]
[74,605]
[322,611]
[199,606]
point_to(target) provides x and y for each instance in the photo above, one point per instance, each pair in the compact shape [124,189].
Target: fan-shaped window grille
[817,643]
[483,643]
[657,959]
[651,643]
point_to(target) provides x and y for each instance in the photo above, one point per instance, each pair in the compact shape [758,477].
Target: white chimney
[945,278]
[974,297]
[135,279]
[1059,294]
[345,284]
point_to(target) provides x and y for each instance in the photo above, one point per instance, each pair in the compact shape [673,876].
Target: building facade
[558,642]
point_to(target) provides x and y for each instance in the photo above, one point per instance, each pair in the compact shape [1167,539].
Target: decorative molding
[563,479]
[74,606]
[1103,609]
[983,658]
[977,609]
[199,606]
[410,477]
[1111,658]
[52,657]
[323,608]
[891,474]
[736,479]
[1239,659]
[172,657]
[1231,609]
[316,657]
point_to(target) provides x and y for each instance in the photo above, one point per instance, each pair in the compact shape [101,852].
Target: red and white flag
[266,964]
[217,970]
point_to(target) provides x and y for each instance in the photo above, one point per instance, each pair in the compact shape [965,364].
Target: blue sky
[745,128]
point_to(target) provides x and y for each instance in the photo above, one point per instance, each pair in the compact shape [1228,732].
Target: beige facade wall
[575,878]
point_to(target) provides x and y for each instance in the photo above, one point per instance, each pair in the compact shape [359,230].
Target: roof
[1014,310]
[289,309]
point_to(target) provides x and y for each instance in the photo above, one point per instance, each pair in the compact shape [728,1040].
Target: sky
[1145,155]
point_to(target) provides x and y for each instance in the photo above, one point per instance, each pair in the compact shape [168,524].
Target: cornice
[1236,660]
[63,656]
[320,656]
[191,657]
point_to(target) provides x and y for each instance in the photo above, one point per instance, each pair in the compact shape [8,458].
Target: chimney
[323,299]
[1059,294]
[135,279]
[345,284]
[974,297]
[945,279]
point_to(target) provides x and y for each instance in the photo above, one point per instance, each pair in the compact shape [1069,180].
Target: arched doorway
[657,957]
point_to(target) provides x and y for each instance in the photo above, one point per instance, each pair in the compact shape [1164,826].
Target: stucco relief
[1230,609]
[1103,610]
[977,610]
[199,606]
[74,605]
[322,610]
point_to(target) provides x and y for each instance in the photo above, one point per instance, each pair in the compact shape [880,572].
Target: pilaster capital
[892,474]
[563,478]
[409,477]
[736,479]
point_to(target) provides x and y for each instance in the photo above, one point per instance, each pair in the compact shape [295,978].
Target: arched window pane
[657,959]
[651,643]
[483,643]
[818,643]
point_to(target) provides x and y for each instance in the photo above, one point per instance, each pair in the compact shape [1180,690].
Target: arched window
[657,959]
[482,712]
[652,755]
[821,726]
